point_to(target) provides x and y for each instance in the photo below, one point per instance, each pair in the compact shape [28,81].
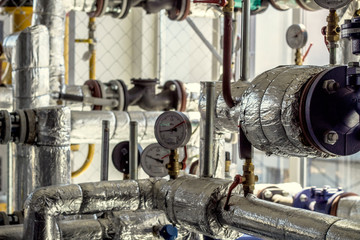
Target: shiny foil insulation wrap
[192,202]
[269,111]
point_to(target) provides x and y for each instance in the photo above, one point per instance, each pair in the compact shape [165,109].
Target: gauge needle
[173,128]
[158,160]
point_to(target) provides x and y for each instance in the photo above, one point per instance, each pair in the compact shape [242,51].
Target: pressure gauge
[332,4]
[172,130]
[154,159]
[296,36]
[121,155]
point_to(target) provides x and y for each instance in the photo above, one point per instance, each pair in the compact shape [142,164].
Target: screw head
[331,137]
[331,86]
[268,194]
[172,87]
[303,198]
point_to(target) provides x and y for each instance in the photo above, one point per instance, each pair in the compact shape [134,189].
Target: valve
[169,232]
[351,30]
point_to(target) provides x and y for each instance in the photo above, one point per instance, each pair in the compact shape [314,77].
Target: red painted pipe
[227,75]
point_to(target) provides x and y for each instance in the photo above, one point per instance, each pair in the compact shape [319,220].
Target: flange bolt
[331,137]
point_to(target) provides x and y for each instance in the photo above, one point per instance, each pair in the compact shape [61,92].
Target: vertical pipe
[105,150]
[227,73]
[133,156]
[66,47]
[209,131]
[92,62]
[332,53]
[245,41]
[10,176]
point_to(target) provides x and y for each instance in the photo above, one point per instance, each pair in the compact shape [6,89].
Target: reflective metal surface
[349,208]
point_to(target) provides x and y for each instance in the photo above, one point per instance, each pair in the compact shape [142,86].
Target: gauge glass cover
[296,36]
[154,159]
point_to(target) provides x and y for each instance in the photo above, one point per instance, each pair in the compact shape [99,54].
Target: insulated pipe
[31,90]
[349,208]
[116,225]
[51,13]
[265,219]
[81,122]
[44,205]
[6,98]
[245,41]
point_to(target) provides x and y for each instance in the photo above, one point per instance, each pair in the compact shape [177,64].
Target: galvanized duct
[51,13]
[349,208]
[273,221]
[86,126]
[6,98]
[192,203]
[45,204]
[269,111]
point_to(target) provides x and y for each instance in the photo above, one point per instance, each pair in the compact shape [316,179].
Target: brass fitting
[229,7]
[298,57]
[249,176]
[174,166]
[333,28]
[227,165]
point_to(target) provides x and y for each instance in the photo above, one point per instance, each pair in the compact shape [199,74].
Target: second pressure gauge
[332,4]
[296,36]
[154,159]
[172,130]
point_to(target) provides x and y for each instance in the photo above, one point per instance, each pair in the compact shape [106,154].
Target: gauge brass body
[249,177]
[174,166]
[298,57]
[332,29]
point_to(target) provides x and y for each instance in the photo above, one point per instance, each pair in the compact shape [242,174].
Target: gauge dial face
[154,159]
[296,36]
[172,130]
[332,4]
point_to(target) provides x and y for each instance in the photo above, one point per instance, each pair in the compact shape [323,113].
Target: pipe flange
[125,94]
[5,127]
[103,11]
[22,127]
[100,6]
[180,10]
[125,9]
[95,91]
[278,7]
[183,96]
[120,91]
[4,219]
[178,98]
[31,125]
[330,119]
[336,200]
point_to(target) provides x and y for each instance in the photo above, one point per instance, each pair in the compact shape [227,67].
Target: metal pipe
[332,53]
[116,225]
[207,163]
[227,72]
[349,208]
[133,154]
[105,151]
[31,89]
[204,40]
[245,41]
[82,121]
[265,219]
[44,205]
[51,13]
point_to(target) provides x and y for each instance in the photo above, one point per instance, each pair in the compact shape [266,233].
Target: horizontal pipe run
[45,204]
[116,225]
[86,127]
[273,221]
